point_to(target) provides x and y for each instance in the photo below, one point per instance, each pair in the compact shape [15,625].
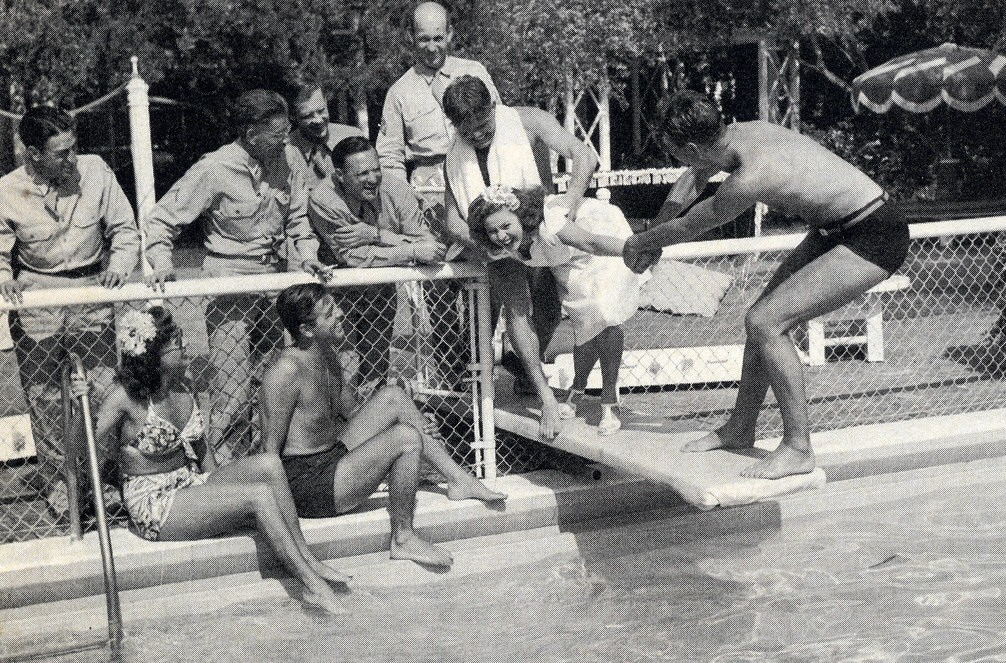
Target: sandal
[610,423]
[567,409]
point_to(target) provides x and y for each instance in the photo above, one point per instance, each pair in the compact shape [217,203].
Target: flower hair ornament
[135,330]
[498,194]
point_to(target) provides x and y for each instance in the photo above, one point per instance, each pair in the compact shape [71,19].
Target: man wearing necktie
[412,143]
[65,221]
[363,219]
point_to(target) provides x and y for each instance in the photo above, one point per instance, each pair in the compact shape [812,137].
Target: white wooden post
[143,154]
[604,124]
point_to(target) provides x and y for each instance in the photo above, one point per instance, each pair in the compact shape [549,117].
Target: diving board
[649,447]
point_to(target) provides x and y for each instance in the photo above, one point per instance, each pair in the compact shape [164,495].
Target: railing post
[143,154]
[486,386]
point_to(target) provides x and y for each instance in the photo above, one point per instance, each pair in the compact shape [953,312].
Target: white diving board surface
[648,447]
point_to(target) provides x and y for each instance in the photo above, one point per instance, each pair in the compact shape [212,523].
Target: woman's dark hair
[295,306]
[532,203]
[140,375]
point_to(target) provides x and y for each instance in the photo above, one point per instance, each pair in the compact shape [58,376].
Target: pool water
[904,579]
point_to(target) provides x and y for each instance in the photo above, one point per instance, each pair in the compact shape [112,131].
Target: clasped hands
[639,257]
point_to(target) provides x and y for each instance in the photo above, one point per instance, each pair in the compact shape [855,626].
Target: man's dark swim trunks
[877,233]
[311,479]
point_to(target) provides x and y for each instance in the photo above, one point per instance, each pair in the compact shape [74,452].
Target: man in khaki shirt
[252,196]
[413,140]
[66,222]
[415,133]
[365,220]
[314,136]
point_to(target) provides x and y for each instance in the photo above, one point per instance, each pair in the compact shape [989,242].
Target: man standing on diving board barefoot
[856,241]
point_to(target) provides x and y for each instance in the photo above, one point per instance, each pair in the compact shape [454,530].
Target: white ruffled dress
[597,291]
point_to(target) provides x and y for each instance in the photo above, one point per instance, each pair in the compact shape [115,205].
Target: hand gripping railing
[71,455]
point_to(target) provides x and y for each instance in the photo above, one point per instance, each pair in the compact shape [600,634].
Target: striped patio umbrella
[966,79]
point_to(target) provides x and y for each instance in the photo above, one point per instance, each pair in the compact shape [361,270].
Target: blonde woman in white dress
[598,291]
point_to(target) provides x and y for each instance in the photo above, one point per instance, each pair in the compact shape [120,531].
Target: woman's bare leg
[268,469]
[203,511]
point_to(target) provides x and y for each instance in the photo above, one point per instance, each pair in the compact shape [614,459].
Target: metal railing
[943,350]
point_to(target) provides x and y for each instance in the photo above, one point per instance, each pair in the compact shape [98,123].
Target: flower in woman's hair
[135,330]
[497,194]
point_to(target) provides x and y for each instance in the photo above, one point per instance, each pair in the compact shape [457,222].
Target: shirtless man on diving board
[855,242]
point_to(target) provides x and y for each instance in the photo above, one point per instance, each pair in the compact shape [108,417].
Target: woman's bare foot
[408,545]
[471,488]
[782,462]
[325,600]
[719,439]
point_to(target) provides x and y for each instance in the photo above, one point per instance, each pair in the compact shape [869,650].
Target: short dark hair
[295,306]
[409,17]
[347,147]
[41,123]
[529,213]
[466,98]
[257,106]
[690,117]
[302,91]
[140,375]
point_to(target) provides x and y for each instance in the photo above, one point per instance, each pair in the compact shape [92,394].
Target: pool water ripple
[908,579]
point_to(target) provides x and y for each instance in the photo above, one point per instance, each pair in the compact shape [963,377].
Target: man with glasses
[64,223]
[252,196]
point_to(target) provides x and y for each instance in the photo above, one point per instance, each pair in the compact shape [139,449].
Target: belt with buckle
[264,259]
[856,217]
[76,273]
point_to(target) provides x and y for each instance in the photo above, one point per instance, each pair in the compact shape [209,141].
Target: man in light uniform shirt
[314,136]
[66,221]
[365,220]
[413,140]
[252,194]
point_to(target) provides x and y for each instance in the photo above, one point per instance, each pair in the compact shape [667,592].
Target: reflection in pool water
[918,579]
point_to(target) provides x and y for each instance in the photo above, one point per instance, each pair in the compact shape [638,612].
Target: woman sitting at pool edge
[598,291]
[170,484]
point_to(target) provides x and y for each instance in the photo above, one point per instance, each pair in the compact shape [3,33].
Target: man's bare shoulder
[534,119]
[284,371]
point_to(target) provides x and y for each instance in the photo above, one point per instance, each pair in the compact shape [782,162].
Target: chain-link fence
[929,341]
[416,333]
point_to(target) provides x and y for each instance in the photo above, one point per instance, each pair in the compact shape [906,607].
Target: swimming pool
[906,568]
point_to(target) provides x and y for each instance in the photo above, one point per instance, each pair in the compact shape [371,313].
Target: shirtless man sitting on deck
[335,451]
[855,242]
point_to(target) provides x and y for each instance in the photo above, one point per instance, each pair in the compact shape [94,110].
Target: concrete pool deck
[57,569]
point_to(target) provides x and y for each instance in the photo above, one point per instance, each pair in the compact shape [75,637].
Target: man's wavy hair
[532,204]
[140,375]
[690,117]
[295,305]
[467,99]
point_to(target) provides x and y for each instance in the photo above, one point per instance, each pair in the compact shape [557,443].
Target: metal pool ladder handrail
[71,452]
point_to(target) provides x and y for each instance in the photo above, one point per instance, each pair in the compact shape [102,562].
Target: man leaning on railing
[365,220]
[252,195]
[62,217]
